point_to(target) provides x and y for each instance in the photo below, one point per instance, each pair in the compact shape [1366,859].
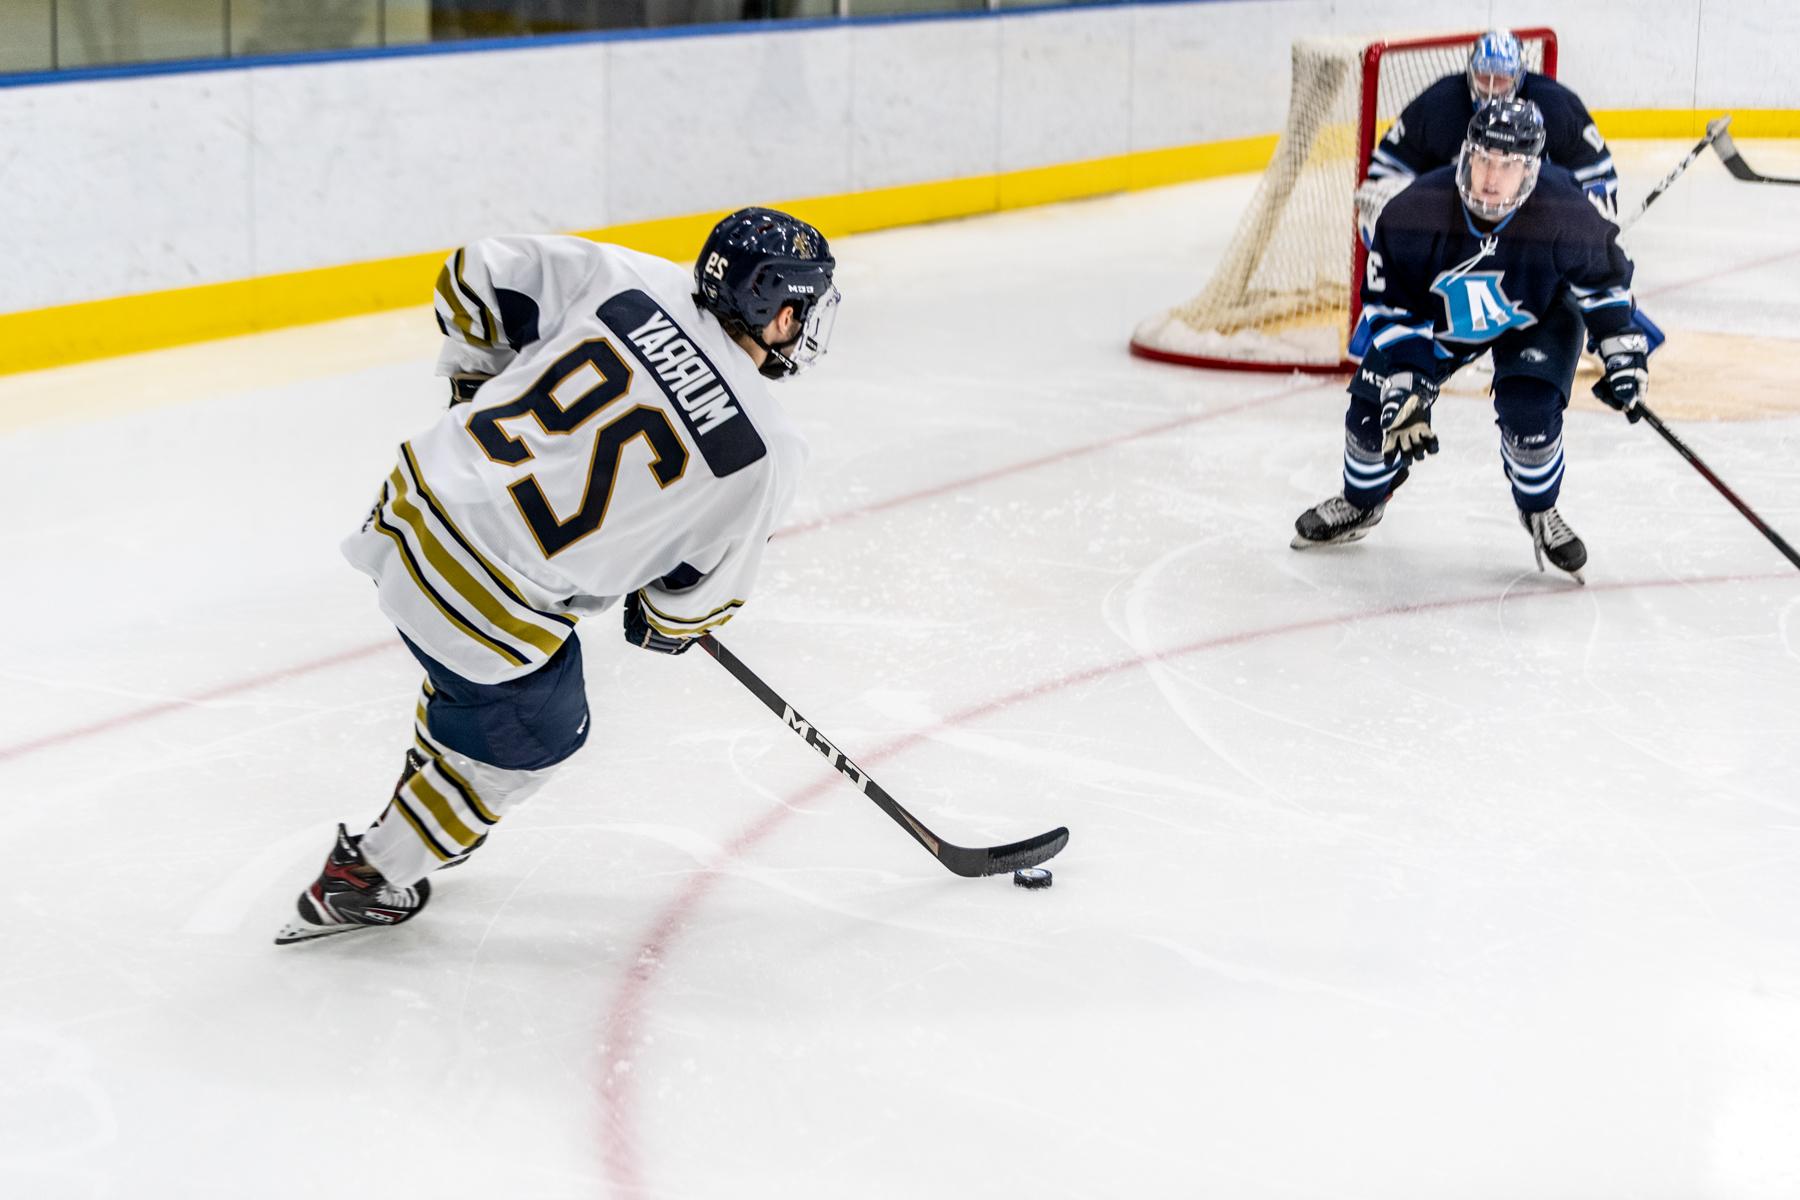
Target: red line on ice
[137,715]
[251,683]
[619,1144]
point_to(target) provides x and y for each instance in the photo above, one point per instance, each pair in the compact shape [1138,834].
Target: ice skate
[1552,538]
[343,899]
[1335,522]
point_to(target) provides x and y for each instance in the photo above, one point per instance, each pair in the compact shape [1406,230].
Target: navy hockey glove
[1627,375]
[464,385]
[639,632]
[1406,416]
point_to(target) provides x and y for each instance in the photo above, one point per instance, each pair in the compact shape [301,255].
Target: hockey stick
[1705,471]
[969,862]
[1715,129]
[1734,162]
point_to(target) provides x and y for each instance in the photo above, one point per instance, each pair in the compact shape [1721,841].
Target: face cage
[1465,182]
[815,332]
[1514,71]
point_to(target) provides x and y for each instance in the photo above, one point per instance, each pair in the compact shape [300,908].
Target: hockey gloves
[639,631]
[464,385]
[1406,417]
[1627,377]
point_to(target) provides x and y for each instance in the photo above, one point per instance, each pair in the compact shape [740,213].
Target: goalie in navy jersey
[1429,131]
[1503,253]
[1429,134]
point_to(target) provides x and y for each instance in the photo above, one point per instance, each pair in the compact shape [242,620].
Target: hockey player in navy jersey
[1503,253]
[1429,131]
[1429,134]
[611,441]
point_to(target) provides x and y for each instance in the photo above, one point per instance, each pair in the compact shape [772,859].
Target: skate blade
[1343,539]
[306,931]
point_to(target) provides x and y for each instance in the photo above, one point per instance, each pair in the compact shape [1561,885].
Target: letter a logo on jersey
[1477,308]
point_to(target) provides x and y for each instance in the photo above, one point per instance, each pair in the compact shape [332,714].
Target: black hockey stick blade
[998,860]
[1734,161]
[1706,473]
[968,861]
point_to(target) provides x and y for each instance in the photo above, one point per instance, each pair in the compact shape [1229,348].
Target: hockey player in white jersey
[610,439]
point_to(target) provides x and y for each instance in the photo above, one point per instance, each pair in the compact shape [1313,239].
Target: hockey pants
[1533,372]
[486,749]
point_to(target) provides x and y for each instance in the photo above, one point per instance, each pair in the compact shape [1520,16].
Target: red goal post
[1285,296]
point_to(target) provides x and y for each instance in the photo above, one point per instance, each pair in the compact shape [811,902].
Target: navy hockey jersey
[1429,132]
[1440,288]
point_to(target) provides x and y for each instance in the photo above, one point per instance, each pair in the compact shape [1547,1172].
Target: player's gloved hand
[1406,416]
[1371,197]
[1627,378]
[463,386]
[639,632]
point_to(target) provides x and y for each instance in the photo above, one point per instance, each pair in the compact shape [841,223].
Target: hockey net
[1284,298]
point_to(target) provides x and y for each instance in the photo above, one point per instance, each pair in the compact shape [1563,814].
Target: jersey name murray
[712,414]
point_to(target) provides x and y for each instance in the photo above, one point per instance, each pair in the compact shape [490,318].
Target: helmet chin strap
[775,364]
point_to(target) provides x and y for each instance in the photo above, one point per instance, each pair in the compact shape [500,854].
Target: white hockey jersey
[625,443]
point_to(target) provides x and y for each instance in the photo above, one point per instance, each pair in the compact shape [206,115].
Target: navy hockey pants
[524,724]
[1534,370]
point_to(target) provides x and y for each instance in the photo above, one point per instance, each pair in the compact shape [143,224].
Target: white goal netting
[1284,295]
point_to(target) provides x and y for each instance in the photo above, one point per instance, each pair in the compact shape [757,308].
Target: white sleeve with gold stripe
[700,596]
[491,296]
[456,599]
[629,439]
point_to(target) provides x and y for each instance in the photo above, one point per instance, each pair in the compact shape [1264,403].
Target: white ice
[1397,871]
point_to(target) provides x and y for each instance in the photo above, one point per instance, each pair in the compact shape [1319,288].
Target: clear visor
[1494,182]
[1507,163]
[815,331]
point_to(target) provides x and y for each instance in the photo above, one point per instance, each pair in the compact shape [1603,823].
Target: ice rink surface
[1398,870]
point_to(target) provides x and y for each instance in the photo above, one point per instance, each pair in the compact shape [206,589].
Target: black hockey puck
[1032,877]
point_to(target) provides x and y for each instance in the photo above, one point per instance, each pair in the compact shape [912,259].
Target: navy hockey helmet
[756,262]
[1506,139]
[1496,67]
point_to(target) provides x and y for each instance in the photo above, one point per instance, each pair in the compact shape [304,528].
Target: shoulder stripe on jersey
[452,572]
[490,328]
[417,478]
[1603,167]
[450,614]
[446,291]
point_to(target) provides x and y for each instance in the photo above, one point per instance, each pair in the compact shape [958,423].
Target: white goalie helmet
[1496,67]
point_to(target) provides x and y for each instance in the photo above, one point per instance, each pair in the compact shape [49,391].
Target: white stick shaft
[1713,129]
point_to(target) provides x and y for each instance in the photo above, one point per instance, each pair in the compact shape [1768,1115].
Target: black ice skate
[342,899]
[1335,522]
[1552,538]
